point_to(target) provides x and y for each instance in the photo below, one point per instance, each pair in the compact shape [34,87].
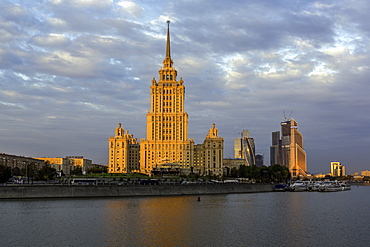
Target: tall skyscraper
[167,148]
[167,139]
[289,150]
[244,148]
[293,154]
[275,149]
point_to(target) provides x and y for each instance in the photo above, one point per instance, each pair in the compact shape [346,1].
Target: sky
[71,70]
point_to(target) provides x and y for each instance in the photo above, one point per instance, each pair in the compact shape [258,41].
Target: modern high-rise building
[167,147]
[259,160]
[238,144]
[244,148]
[288,150]
[336,169]
[275,149]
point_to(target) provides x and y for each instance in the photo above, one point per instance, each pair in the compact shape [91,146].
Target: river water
[259,219]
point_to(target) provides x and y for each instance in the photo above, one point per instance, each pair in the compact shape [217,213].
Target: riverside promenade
[90,191]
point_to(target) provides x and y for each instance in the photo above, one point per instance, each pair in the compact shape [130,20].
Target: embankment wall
[65,191]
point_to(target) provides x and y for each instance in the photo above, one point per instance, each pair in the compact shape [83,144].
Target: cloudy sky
[71,70]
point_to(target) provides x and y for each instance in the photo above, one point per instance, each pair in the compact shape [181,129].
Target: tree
[243,171]
[77,170]
[234,172]
[274,173]
[46,172]
[98,169]
[5,173]
[29,171]
[279,173]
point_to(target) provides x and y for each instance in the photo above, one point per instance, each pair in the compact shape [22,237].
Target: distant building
[336,169]
[80,161]
[61,165]
[68,164]
[208,156]
[365,173]
[20,165]
[259,160]
[288,151]
[275,149]
[244,148]
[230,164]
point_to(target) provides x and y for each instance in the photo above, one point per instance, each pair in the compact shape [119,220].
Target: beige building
[208,157]
[124,152]
[167,146]
[18,164]
[80,161]
[60,164]
[166,122]
[229,164]
[365,173]
[68,164]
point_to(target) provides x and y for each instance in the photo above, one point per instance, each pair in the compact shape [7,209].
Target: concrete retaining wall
[65,191]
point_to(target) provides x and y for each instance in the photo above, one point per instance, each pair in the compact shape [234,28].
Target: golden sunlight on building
[289,151]
[336,169]
[166,146]
[123,152]
[68,164]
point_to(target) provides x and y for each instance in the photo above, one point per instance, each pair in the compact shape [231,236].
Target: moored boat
[345,185]
[330,186]
[281,187]
[298,186]
[314,186]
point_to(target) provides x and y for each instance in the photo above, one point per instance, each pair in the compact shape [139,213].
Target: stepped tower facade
[166,144]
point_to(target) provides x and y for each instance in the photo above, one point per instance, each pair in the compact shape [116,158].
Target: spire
[167,62]
[168,49]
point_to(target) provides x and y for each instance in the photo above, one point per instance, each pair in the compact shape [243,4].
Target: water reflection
[261,219]
[154,221]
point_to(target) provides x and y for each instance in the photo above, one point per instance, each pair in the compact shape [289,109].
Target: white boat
[345,185]
[330,186]
[314,186]
[298,186]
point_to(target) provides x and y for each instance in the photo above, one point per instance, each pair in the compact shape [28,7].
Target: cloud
[131,8]
[71,70]
[51,40]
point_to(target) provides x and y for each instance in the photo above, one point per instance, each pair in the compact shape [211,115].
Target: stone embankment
[81,191]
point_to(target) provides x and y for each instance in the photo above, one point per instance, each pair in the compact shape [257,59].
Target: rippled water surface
[261,219]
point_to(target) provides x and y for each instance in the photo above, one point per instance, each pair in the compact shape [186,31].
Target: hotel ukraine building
[166,148]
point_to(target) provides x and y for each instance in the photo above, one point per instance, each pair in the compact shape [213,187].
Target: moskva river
[260,219]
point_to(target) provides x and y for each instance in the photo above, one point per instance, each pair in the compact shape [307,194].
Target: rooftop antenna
[289,115]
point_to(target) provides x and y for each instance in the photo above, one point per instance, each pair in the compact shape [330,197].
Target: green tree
[279,173]
[5,173]
[29,171]
[98,170]
[77,170]
[46,172]
[243,171]
[234,172]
